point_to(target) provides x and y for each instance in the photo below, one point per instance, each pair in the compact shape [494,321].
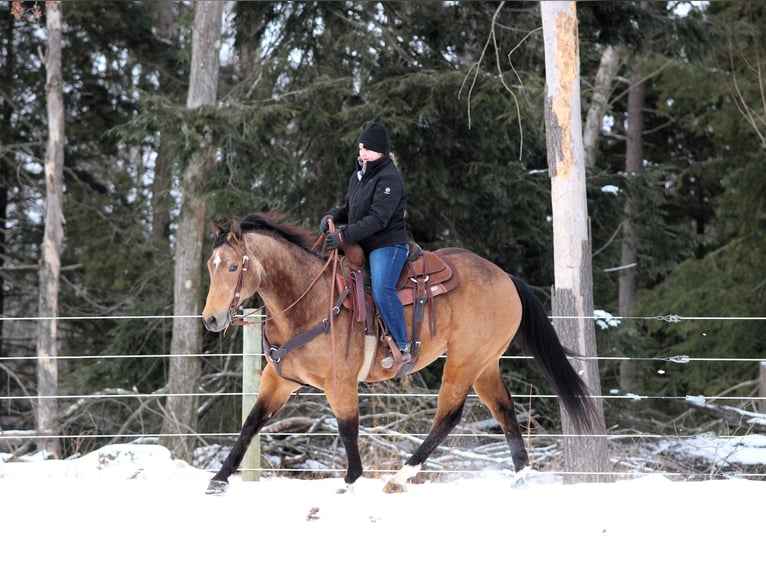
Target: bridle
[238,293]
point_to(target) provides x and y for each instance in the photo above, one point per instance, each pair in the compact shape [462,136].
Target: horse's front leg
[346,409]
[273,393]
[348,429]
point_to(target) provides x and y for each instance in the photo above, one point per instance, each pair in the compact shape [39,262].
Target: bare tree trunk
[584,456]
[183,379]
[6,167]
[634,159]
[163,169]
[50,264]
[607,70]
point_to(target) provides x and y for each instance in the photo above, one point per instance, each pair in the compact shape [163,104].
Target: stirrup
[391,361]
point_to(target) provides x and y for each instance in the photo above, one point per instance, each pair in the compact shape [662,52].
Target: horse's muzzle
[216,323]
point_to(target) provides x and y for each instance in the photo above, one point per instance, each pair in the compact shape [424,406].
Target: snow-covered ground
[131,508]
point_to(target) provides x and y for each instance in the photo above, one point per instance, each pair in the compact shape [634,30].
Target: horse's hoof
[217,487]
[396,483]
[392,487]
[520,478]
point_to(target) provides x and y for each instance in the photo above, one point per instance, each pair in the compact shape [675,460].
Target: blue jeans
[385,267]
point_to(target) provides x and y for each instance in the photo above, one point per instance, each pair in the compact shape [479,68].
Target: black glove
[333,240]
[324,225]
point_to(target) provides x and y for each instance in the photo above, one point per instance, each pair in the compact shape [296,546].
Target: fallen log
[734,416]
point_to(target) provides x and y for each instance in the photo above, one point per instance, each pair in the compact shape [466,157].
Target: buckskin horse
[310,338]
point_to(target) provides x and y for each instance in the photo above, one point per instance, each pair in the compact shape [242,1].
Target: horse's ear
[236,229]
[217,229]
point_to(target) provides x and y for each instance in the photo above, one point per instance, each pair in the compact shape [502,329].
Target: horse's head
[234,277]
[228,268]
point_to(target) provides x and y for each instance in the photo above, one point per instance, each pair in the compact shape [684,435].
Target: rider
[374,210]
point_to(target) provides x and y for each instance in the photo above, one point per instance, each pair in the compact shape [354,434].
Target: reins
[334,258]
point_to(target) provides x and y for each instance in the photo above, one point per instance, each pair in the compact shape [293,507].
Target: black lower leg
[437,435]
[349,434]
[253,423]
[518,450]
[510,425]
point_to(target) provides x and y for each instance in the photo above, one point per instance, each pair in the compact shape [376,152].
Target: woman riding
[374,214]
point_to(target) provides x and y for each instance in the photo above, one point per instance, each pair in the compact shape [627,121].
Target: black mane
[273,223]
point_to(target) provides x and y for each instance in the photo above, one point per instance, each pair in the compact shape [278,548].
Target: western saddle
[425,275]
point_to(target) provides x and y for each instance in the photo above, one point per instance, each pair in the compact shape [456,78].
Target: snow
[722,452]
[132,508]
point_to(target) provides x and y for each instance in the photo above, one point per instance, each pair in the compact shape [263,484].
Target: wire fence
[473,446]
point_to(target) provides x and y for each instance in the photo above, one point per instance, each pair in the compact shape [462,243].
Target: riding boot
[396,357]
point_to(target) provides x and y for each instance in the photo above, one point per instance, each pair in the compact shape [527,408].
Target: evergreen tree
[724,276]
[460,87]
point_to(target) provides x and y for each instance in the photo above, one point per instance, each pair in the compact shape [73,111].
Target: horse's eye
[233,268]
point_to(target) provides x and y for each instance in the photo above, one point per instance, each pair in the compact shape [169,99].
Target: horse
[476,322]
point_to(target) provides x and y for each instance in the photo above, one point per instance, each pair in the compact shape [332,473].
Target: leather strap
[276,354]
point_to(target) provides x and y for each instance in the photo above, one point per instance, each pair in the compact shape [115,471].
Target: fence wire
[439,464]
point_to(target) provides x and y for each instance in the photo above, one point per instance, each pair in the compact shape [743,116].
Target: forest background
[675,196]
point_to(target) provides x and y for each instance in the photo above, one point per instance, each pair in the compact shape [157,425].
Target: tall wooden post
[53,239]
[252,351]
[585,456]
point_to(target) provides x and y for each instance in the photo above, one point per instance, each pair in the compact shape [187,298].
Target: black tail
[540,339]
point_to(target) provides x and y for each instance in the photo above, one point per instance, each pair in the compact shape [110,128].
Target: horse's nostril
[215,323]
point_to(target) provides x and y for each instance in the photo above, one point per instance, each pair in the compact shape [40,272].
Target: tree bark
[634,160]
[163,169]
[183,377]
[50,264]
[762,387]
[585,457]
[607,70]
[6,167]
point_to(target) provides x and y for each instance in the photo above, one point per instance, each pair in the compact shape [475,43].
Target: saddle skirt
[426,266]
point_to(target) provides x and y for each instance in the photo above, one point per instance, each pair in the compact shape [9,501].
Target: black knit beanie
[375,137]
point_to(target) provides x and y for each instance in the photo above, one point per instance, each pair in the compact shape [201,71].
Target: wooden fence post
[252,350]
[762,388]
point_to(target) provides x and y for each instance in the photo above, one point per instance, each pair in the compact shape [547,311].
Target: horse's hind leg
[448,413]
[495,395]
[272,395]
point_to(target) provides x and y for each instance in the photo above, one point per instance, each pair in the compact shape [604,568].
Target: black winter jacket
[374,207]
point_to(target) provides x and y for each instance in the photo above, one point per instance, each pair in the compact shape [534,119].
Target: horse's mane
[274,223]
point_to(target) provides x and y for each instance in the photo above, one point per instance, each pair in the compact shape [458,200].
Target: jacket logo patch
[387,191]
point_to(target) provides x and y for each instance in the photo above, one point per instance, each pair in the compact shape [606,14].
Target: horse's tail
[541,341]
